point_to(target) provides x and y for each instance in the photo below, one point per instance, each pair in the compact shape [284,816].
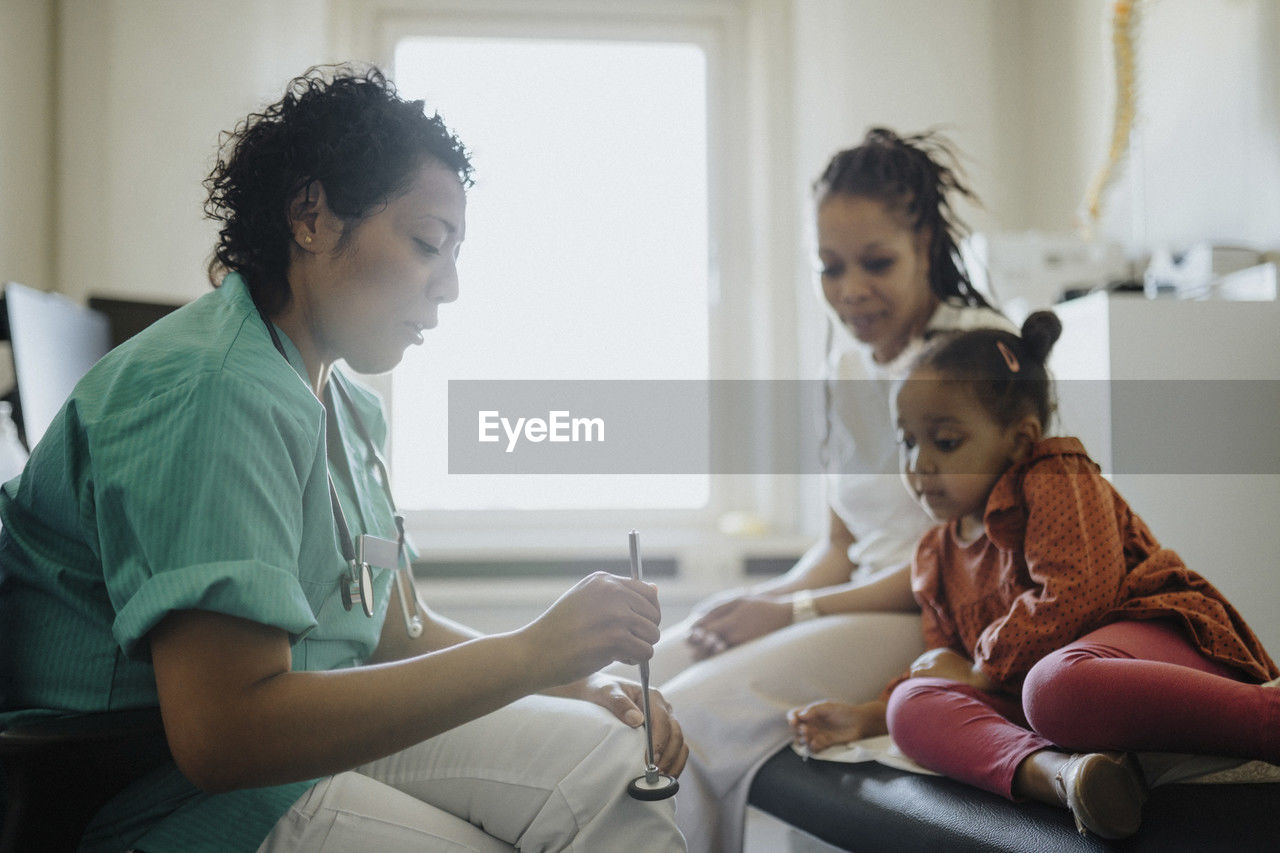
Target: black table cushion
[873,808]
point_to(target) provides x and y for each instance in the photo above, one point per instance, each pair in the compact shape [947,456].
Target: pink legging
[1126,686]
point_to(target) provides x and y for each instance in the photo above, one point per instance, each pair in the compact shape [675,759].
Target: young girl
[1060,634]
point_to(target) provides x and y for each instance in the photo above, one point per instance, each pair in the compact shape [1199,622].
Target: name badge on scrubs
[372,552]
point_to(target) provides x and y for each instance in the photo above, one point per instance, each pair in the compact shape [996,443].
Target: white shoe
[1104,791]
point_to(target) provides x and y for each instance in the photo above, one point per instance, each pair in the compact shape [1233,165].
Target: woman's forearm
[823,565]
[438,632]
[236,714]
[436,693]
[889,591]
[228,732]
[828,579]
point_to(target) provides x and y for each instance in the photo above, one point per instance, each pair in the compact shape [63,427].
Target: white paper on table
[881,749]
[1167,768]
[1160,768]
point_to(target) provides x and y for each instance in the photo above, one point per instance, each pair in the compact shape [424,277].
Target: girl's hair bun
[1040,331]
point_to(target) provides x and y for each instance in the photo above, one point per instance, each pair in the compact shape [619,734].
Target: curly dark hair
[912,175]
[341,126]
[1006,371]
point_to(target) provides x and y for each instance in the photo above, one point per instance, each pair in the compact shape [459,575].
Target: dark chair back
[59,772]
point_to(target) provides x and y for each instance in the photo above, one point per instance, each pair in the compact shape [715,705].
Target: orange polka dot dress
[1061,555]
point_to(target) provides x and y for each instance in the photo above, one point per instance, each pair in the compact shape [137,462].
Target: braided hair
[914,176]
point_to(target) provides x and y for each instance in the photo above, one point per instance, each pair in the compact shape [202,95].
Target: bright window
[587,253]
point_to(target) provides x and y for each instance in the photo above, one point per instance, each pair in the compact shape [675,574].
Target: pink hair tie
[1009,358]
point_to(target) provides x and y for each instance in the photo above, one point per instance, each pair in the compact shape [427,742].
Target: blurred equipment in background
[55,342]
[1029,270]
[127,317]
[13,456]
[1206,271]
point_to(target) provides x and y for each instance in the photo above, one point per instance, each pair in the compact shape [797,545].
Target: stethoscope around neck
[366,552]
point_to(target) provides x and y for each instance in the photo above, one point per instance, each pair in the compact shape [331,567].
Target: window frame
[755,238]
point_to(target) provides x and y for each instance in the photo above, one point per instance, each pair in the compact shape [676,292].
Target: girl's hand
[735,622]
[951,665]
[602,619]
[823,724]
[622,698]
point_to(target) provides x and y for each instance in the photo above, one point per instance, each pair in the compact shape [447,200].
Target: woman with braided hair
[891,276]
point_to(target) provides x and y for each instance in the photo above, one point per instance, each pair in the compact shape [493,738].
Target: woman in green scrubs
[176,540]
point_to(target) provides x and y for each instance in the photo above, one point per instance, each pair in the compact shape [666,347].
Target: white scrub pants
[732,707]
[541,774]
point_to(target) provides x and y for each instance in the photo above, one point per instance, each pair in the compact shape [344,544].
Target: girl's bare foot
[823,724]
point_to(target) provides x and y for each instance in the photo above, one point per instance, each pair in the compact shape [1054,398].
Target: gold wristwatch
[802,607]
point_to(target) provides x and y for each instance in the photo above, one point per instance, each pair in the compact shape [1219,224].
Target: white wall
[1057,72]
[27,39]
[145,87]
[1209,151]
[26,141]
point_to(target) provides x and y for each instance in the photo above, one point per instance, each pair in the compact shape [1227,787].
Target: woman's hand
[602,619]
[951,665]
[823,724]
[622,698]
[736,621]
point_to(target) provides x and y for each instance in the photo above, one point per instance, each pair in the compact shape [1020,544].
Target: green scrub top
[188,470]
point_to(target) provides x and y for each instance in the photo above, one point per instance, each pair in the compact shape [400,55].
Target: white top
[864,486]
